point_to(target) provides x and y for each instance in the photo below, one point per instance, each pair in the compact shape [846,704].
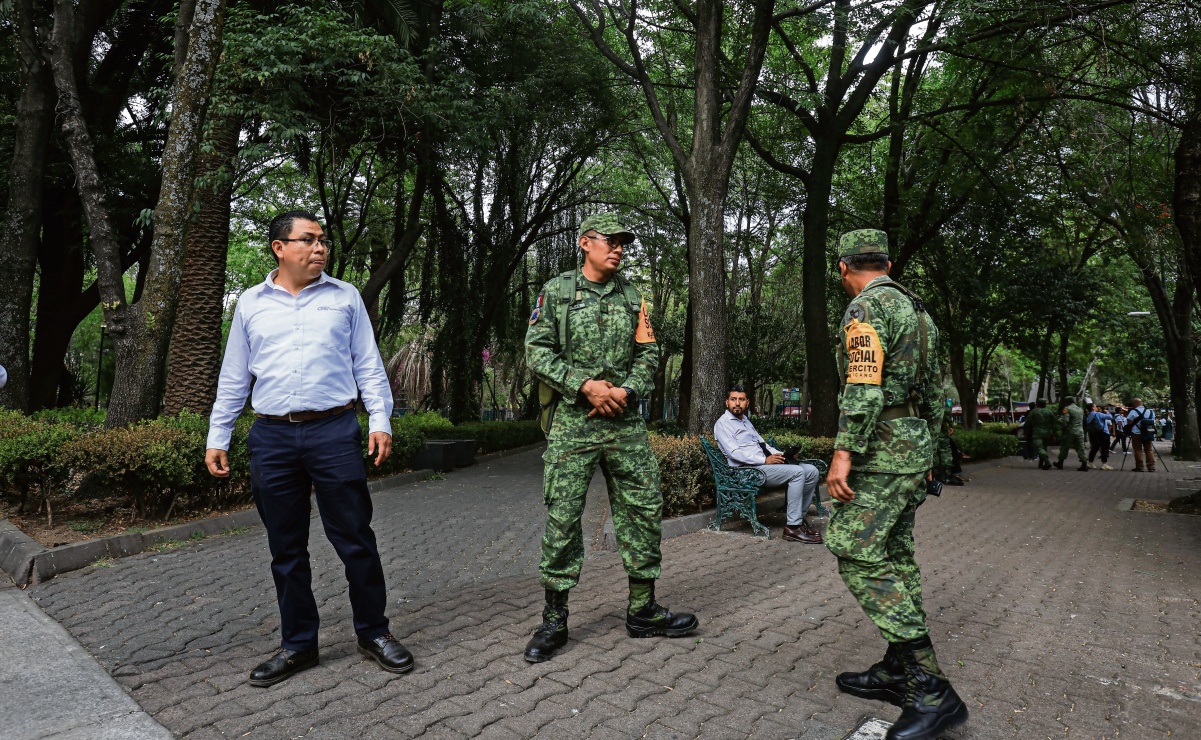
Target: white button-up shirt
[739,441]
[309,352]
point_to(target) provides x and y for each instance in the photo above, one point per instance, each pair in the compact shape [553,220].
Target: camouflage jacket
[1042,422]
[878,360]
[1073,421]
[606,340]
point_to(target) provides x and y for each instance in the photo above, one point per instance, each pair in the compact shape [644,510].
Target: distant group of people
[1135,426]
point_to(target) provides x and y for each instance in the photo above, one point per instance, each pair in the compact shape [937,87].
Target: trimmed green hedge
[492,436]
[998,428]
[685,479]
[986,445]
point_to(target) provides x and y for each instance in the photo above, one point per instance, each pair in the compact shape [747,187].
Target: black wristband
[631,395]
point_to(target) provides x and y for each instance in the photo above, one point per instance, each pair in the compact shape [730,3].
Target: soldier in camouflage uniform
[1042,424]
[608,362]
[1072,435]
[890,413]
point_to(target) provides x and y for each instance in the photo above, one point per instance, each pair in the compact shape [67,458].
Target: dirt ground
[76,521]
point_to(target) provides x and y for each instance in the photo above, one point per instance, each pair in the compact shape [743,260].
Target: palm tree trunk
[195,359]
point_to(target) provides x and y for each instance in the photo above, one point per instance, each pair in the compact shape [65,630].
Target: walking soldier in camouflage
[1071,436]
[591,344]
[1042,424]
[890,411]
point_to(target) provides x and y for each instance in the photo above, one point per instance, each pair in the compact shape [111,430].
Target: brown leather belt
[297,416]
[900,411]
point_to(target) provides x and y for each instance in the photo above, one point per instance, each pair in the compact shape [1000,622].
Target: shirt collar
[729,415]
[271,284]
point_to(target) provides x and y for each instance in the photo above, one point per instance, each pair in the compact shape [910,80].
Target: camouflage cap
[608,224]
[863,241]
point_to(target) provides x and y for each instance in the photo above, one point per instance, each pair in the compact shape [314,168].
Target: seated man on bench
[743,447]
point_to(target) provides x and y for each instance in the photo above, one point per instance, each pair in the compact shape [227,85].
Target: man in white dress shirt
[743,448]
[305,341]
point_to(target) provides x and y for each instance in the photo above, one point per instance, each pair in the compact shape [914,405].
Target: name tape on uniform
[865,356]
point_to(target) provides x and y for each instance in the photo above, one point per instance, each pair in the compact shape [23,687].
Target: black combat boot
[884,681]
[931,706]
[1058,464]
[645,618]
[552,633]
[1083,467]
[1044,463]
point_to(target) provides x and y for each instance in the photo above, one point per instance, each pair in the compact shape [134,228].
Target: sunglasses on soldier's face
[611,242]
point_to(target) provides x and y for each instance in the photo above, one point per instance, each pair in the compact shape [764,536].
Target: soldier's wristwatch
[631,396]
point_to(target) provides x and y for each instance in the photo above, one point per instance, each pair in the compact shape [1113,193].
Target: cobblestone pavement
[1055,614]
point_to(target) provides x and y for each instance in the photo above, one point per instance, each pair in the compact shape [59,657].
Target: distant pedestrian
[1141,428]
[1098,425]
[1071,435]
[305,342]
[1168,425]
[1042,423]
[1119,430]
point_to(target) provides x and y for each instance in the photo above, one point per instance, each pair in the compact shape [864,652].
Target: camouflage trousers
[872,537]
[1040,447]
[1073,442]
[635,502]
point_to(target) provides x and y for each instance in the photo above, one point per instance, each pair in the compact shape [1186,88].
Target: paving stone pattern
[1055,614]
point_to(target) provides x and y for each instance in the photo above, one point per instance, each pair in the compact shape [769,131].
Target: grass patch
[105,562]
[83,527]
[435,476]
[235,530]
[166,545]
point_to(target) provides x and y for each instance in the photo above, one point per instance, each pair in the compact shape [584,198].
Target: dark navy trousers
[288,461]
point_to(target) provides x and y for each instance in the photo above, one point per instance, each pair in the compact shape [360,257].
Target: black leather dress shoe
[282,665]
[390,654]
[654,619]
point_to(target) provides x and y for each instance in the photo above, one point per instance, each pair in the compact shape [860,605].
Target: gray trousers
[802,483]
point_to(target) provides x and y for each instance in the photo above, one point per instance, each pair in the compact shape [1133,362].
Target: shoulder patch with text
[645,333]
[865,356]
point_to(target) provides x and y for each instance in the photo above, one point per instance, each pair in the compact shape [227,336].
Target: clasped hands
[606,398]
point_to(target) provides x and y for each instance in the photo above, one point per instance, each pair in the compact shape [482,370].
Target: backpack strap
[566,292]
[923,330]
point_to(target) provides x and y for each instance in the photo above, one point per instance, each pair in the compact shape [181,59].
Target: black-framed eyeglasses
[610,241]
[309,241]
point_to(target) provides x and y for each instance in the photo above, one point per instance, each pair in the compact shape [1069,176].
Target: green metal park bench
[738,487]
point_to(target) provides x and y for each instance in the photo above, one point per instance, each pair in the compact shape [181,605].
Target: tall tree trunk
[195,360]
[1186,194]
[961,376]
[822,368]
[706,294]
[20,232]
[61,304]
[1062,390]
[684,414]
[141,357]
